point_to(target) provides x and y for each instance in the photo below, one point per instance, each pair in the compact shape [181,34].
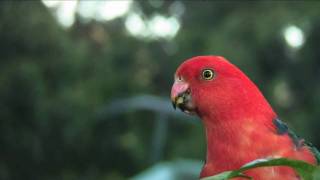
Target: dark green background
[54,81]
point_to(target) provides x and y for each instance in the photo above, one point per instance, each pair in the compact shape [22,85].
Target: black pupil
[207,74]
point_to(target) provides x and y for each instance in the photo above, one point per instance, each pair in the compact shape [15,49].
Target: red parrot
[240,124]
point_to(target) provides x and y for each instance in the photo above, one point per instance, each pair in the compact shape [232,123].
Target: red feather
[238,120]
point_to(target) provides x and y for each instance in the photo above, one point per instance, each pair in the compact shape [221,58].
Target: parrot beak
[181,97]
[177,93]
[178,101]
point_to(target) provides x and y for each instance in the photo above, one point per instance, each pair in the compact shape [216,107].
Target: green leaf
[305,170]
[221,176]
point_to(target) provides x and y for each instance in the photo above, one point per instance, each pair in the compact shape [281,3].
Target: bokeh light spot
[113,9]
[161,26]
[294,36]
[136,26]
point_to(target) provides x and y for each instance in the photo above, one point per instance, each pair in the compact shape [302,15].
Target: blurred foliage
[53,81]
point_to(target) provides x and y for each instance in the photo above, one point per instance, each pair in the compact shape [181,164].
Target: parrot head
[212,86]
[240,124]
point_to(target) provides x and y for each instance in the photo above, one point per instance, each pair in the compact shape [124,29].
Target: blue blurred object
[175,170]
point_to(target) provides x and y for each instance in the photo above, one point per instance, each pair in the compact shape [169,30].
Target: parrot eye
[207,74]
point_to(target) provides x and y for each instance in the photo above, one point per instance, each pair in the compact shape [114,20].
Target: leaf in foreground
[305,170]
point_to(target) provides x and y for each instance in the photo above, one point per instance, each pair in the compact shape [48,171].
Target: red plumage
[240,124]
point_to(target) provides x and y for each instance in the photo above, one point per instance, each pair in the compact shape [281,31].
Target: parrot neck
[233,134]
[230,145]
